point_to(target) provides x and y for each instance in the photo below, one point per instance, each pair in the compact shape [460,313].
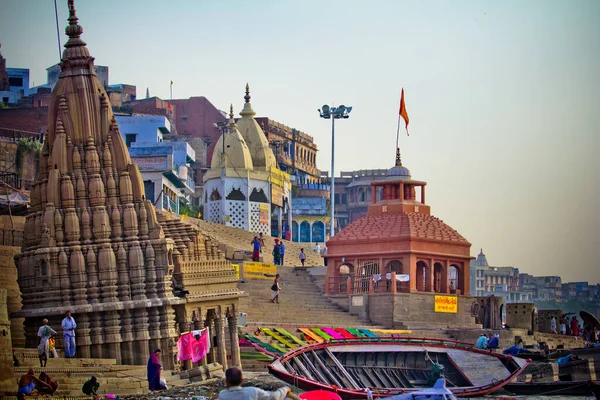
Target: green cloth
[90,387]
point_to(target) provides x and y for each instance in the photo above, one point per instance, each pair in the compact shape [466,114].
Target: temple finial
[74,30]
[247,96]
[231,111]
[398,160]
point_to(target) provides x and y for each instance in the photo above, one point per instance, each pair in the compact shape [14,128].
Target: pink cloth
[184,347]
[331,332]
[201,346]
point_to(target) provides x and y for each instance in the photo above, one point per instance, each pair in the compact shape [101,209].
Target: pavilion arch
[454,277]
[304,232]
[421,275]
[395,266]
[294,231]
[438,273]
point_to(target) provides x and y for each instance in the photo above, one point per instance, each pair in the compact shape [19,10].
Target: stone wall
[7,378]
[520,315]
[8,281]
[410,311]
[544,317]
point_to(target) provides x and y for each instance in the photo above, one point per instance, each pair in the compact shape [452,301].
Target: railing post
[349,286]
[371,284]
[394,288]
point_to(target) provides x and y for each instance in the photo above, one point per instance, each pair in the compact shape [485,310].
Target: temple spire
[231,118]
[247,96]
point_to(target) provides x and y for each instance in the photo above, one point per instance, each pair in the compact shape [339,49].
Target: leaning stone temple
[93,244]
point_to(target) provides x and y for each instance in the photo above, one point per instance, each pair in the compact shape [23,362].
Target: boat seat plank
[321,333]
[367,333]
[355,332]
[331,332]
[267,346]
[312,335]
[344,333]
[280,338]
[479,369]
[290,336]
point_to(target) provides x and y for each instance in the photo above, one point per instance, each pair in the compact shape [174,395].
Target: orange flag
[403,112]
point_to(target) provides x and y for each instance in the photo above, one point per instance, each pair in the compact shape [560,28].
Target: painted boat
[561,388]
[393,366]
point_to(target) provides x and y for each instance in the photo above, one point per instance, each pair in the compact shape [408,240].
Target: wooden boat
[393,366]
[561,388]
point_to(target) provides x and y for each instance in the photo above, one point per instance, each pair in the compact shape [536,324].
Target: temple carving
[96,247]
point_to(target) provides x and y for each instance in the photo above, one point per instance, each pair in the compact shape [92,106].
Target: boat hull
[351,370]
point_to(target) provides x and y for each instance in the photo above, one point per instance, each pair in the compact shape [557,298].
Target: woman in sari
[154,369]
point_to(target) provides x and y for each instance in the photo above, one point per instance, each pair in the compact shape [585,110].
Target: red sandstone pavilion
[400,241]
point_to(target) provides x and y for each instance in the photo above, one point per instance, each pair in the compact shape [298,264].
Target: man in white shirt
[235,391]
[69,326]
[318,248]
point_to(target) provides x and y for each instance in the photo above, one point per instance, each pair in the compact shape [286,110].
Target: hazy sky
[503,96]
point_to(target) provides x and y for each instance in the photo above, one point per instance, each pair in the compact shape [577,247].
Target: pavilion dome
[237,154]
[262,155]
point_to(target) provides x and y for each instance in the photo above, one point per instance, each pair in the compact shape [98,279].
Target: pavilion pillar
[423,194]
[401,192]
[221,350]
[445,277]
[465,279]
[393,283]
[349,285]
[232,321]
[412,265]
[373,194]
[429,277]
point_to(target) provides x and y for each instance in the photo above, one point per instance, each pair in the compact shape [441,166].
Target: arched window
[455,283]
[294,231]
[437,277]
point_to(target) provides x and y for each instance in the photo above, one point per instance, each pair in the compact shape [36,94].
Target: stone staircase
[300,304]
[72,373]
[234,240]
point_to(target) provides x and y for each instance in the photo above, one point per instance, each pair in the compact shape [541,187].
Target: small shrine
[399,248]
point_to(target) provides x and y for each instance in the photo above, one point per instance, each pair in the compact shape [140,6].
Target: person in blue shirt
[494,342]
[281,252]
[564,360]
[69,326]
[481,342]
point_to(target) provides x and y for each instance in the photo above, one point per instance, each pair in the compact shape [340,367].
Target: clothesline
[399,277]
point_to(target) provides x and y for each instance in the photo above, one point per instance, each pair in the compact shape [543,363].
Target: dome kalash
[399,235]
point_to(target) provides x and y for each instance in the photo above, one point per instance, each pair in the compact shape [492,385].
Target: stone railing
[357,284]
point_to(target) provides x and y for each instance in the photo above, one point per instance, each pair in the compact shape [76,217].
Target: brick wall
[25,119]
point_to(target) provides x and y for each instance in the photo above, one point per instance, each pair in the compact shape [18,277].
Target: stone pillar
[279,222]
[221,349]
[210,323]
[7,376]
[199,325]
[233,336]
[445,277]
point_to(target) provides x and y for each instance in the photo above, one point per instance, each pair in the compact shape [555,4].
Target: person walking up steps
[45,333]
[275,288]
[281,252]
[69,326]
[302,256]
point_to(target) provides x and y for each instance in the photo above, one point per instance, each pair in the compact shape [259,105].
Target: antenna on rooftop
[57,30]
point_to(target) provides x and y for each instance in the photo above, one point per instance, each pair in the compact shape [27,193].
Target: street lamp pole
[334,113]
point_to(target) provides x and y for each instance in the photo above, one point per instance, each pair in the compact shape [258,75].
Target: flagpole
[398,133]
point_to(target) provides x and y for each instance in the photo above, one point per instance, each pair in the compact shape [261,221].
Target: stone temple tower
[96,247]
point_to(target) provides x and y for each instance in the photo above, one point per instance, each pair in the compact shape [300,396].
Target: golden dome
[235,153]
[262,155]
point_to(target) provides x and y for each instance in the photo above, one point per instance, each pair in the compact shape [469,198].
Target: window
[344,199]
[5,99]
[129,138]
[337,199]
[15,81]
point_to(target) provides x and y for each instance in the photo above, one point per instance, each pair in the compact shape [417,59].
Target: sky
[503,96]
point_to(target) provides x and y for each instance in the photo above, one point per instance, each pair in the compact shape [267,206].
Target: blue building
[165,166]
[309,219]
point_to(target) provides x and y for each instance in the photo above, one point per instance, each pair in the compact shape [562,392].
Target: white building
[244,186]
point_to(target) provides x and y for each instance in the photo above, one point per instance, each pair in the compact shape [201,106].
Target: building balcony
[313,190]
[170,204]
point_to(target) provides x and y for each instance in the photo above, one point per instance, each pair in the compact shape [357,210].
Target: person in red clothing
[574,326]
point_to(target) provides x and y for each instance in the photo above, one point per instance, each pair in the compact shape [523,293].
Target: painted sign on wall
[150,163]
[263,217]
[258,270]
[446,304]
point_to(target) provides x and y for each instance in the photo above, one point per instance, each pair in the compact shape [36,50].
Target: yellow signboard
[258,270]
[236,268]
[446,304]
[263,216]
[279,177]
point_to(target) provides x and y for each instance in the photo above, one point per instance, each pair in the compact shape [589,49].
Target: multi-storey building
[541,287]
[498,281]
